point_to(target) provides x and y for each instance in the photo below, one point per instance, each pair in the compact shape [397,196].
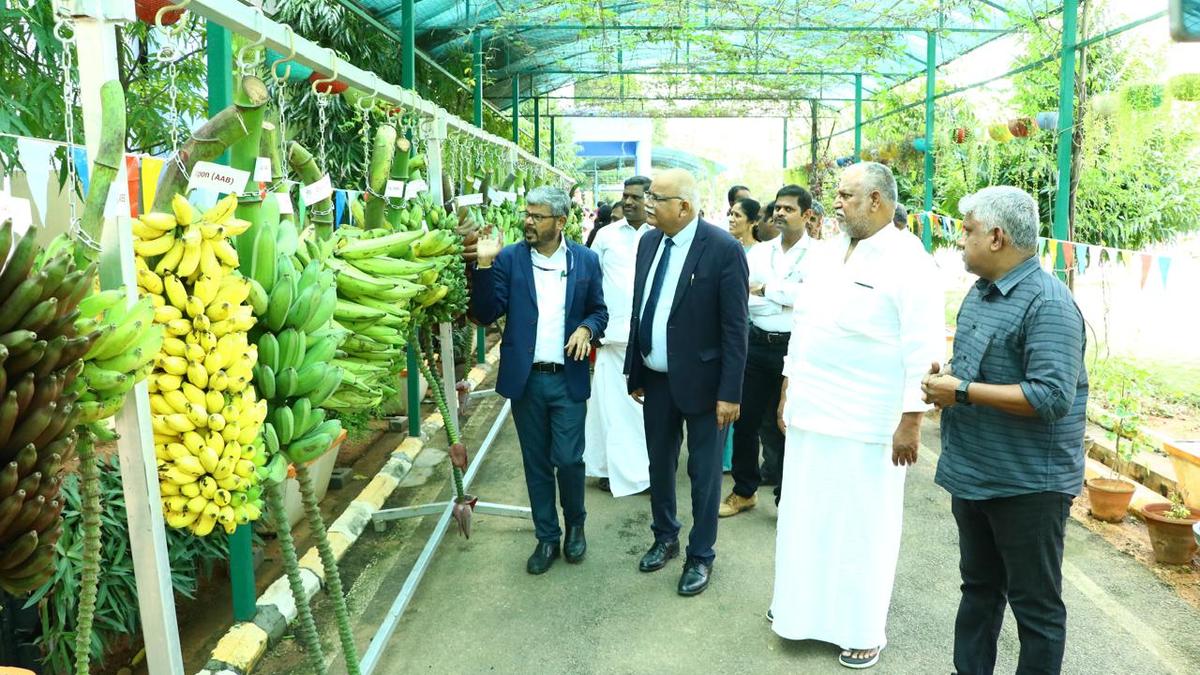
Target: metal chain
[365,131]
[281,106]
[65,34]
[322,121]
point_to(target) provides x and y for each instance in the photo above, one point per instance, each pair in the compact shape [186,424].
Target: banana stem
[306,628]
[305,165]
[90,573]
[105,167]
[208,142]
[244,154]
[439,397]
[383,152]
[333,577]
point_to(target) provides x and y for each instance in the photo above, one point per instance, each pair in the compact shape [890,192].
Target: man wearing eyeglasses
[550,290]
[687,351]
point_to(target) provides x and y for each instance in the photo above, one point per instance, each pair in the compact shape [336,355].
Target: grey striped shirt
[1023,329]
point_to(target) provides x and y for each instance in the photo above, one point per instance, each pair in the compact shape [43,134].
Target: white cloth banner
[35,159]
[614,434]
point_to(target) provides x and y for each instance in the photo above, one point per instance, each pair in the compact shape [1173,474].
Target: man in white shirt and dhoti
[615,449]
[868,321]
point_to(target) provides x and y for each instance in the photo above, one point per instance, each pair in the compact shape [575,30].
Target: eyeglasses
[651,197]
[537,216]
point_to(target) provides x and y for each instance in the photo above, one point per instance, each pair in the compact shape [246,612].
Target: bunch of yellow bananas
[206,416]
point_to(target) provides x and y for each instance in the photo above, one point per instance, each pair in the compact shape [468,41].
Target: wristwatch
[960,393]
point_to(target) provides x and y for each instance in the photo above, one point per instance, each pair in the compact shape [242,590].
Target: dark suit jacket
[507,288]
[707,327]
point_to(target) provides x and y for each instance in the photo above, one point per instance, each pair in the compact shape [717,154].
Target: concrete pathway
[477,611]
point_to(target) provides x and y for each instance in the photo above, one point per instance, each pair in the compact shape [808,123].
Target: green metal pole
[408,40]
[552,140]
[516,112]
[930,75]
[785,142]
[219,45]
[1066,122]
[412,379]
[537,128]
[477,73]
[858,117]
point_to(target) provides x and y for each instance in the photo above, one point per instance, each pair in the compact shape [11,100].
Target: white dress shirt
[657,359]
[866,330]
[550,284]
[616,246]
[781,273]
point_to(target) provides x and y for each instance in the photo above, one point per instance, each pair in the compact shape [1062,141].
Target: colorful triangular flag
[133,178]
[339,205]
[79,153]
[1164,264]
[151,170]
[1068,250]
[36,161]
[1145,268]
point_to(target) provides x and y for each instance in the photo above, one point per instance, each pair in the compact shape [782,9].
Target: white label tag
[118,200]
[217,177]
[394,189]
[262,170]
[322,189]
[285,203]
[468,200]
[475,183]
[416,187]
[19,211]
[502,197]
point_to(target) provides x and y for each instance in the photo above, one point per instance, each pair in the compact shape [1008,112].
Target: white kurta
[866,330]
[615,435]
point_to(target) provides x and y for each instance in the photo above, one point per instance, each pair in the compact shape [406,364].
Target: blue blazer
[707,326]
[506,288]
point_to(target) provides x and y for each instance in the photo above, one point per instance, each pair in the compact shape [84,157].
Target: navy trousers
[664,435]
[550,428]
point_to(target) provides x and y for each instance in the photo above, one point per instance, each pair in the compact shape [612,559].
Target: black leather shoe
[658,555]
[575,545]
[695,577]
[543,556]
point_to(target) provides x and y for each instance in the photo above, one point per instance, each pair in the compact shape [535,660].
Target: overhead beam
[722,97]
[718,73]
[723,28]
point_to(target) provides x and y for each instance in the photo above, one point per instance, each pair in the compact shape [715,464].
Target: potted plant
[1185,456]
[1171,527]
[1110,496]
[1019,126]
[1143,97]
[1185,87]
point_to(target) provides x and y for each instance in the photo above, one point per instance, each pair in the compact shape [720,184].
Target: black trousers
[1011,551]
[760,403]
[664,435]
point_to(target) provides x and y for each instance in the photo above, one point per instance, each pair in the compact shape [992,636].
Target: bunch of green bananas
[506,217]
[41,357]
[377,277]
[295,344]
[206,416]
[123,355]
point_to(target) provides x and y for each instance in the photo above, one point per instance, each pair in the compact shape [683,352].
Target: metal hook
[243,63]
[333,63]
[287,72]
[371,100]
[163,11]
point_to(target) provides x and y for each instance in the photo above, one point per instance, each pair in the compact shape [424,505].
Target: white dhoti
[615,435]
[837,540]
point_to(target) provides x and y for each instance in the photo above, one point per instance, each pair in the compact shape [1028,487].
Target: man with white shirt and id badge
[777,268]
[549,288]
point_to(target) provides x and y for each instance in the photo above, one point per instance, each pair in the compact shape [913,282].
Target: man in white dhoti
[615,448]
[867,319]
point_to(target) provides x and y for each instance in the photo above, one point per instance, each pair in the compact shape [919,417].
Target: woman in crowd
[603,217]
[742,217]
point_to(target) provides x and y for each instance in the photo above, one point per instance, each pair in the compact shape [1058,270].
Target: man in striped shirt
[1013,403]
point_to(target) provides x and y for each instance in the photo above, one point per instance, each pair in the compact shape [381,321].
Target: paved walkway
[478,611]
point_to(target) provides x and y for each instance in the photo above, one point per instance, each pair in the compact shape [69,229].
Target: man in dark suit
[687,352]
[549,287]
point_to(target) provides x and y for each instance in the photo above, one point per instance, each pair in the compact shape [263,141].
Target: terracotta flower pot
[1185,457]
[1019,127]
[146,10]
[1172,538]
[959,135]
[1109,498]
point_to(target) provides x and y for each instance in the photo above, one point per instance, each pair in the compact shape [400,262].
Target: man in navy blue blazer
[549,287]
[686,356]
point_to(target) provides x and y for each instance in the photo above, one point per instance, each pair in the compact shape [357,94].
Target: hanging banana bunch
[206,416]
[41,359]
